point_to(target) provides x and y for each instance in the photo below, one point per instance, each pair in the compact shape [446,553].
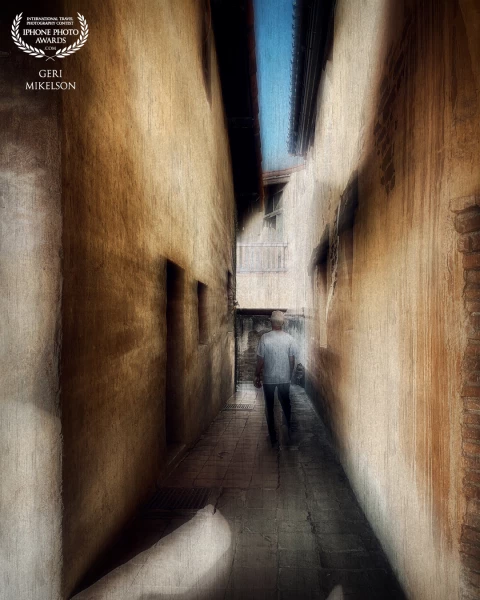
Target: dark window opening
[321,282]
[274,198]
[273,219]
[230,302]
[202,297]
[320,303]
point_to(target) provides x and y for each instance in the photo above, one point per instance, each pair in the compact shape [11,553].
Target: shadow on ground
[280,523]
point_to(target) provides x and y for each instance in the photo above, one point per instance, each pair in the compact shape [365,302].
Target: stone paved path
[280,523]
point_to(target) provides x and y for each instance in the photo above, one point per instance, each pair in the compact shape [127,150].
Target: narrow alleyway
[262,523]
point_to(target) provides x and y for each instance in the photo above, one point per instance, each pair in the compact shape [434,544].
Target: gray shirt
[276,348]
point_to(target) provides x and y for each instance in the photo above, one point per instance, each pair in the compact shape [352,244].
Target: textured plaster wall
[30,292]
[146,178]
[399,109]
[272,289]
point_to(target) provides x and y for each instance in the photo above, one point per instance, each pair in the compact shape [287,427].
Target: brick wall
[467,224]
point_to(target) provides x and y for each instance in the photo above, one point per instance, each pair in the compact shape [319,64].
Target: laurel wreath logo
[62,53]
[38,52]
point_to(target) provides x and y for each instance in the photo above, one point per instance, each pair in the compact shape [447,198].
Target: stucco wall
[146,178]
[271,289]
[399,112]
[30,292]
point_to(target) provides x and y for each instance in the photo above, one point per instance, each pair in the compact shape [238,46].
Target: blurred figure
[276,357]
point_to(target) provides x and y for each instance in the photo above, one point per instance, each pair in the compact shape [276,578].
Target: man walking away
[276,356]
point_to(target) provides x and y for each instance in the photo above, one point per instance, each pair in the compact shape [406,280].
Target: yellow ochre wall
[146,178]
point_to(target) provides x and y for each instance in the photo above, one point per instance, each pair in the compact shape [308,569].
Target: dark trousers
[284,397]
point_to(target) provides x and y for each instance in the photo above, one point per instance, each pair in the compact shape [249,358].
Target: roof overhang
[233,24]
[313,35]
[273,177]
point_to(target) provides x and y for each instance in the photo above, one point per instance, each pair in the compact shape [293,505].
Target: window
[320,303]
[273,220]
[321,281]
[274,199]
[230,301]
[202,297]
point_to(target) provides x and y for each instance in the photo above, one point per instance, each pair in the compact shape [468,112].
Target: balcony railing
[261,257]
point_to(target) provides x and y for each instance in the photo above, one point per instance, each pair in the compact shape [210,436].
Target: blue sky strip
[274,39]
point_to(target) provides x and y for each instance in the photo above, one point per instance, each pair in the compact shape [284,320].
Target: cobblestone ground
[280,523]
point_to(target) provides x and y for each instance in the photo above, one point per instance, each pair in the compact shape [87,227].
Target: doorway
[175,364]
